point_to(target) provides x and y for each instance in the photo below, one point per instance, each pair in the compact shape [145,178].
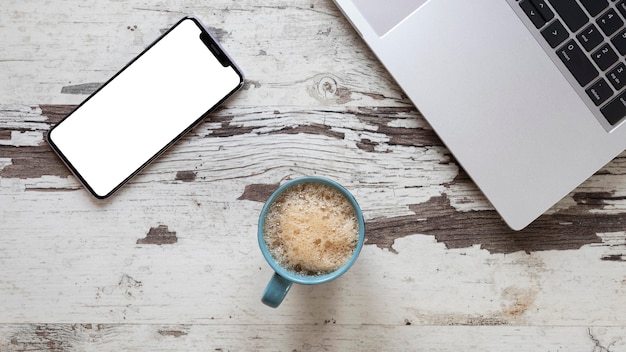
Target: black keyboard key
[619,41]
[594,7]
[615,110]
[590,37]
[599,92]
[617,76]
[604,57]
[532,13]
[571,13]
[543,9]
[577,63]
[610,22]
[621,6]
[555,33]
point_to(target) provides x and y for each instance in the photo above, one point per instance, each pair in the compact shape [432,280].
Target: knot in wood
[327,87]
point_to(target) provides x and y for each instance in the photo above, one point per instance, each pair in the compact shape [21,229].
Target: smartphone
[144,108]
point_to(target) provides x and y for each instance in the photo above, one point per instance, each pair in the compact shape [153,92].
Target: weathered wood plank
[567,228]
[59,58]
[327,336]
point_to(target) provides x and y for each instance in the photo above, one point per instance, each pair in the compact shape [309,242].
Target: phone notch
[215,49]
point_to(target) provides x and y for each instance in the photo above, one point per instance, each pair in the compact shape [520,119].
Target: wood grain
[171,261]
[323,337]
[568,228]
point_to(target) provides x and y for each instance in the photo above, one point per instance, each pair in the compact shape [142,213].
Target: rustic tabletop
[171,261]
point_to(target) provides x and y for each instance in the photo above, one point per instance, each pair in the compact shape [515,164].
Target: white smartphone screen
[145,108]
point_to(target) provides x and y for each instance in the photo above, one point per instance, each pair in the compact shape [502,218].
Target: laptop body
[507,107]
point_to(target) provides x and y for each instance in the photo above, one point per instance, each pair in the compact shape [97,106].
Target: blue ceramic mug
[283,278]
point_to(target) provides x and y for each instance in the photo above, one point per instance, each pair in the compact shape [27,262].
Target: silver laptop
[528,95]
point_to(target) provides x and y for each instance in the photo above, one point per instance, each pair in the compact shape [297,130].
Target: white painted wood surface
[75,274]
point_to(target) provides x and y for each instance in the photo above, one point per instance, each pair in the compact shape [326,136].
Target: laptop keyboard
[589,37]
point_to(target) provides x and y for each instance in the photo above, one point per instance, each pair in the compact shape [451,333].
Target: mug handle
[276,291]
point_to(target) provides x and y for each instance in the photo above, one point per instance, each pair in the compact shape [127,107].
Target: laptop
[528,95]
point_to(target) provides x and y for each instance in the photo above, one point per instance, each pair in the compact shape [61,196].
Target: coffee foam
[311,228]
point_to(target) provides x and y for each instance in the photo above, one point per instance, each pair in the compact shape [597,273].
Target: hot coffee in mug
[310,231]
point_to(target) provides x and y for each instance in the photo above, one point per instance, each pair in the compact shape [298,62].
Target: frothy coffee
[311,228]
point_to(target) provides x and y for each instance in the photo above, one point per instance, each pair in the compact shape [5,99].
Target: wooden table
[171,262]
